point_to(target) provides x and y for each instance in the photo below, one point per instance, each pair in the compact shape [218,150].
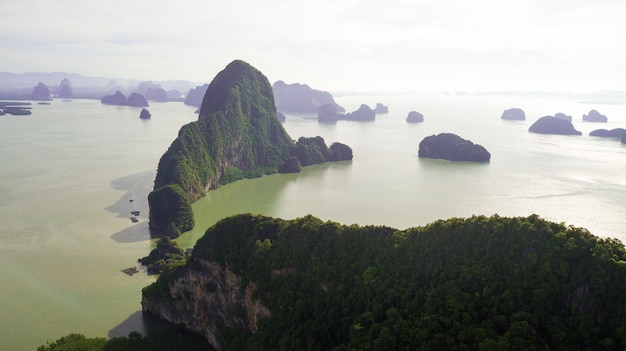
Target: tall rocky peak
[237,131]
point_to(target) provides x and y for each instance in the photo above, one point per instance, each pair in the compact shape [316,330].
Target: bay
[69,171]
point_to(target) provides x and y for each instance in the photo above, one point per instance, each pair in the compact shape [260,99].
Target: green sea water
[69,171]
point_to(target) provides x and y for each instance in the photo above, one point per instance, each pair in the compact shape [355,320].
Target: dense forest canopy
[481,283]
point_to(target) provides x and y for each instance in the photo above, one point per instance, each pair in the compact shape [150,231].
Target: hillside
[481,283]
[237,135]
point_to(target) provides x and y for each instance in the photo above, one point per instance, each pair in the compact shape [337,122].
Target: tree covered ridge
[481,283]
[237,135]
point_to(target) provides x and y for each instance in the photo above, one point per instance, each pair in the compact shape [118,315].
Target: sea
[71,173]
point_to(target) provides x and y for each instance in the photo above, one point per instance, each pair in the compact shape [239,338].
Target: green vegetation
[481,283]
[163,341]
[170,210]
[166,252]
[237,136]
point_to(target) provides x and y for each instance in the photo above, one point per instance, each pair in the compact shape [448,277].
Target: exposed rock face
[514,114]
[363,114]
[137,100]
[65,89]
[414,117]
[206,299]
[300,98]
[327,113]
[41,92]
[551,125]
[563,116]
[451,147]
[116,99]
[594,116]
[145,114]
[618,133]
[194,96]
[380,108]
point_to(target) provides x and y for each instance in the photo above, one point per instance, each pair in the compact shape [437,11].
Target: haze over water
[70,170]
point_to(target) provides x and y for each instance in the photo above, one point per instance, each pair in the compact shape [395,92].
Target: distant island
[552,125]
[452,147]
[134,100]
[514,114]
[595,116]
[301,98]
[414,117]
[328,113]
[237,135]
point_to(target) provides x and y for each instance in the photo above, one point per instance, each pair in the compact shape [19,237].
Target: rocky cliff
[206,299]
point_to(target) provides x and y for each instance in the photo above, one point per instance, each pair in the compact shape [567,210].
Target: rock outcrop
[363,114]
[618,133]
[137,100]
[380,108]
[117,99]
[451,147]
[65,89]
[206,299]
[551,125]
[414,117]
[327,113]
[41,92]
[145,114]
[300,98]
[514,114]
[595,116]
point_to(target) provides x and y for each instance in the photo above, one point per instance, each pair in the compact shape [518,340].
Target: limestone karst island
[237,135]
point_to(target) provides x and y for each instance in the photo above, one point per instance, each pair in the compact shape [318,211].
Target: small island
[119,99]
[381,109]
[414,117]
[513,114]
[301,98]
[617,133]
[452,147]
[552,125]
[363,114]
[595,116]
[145,114]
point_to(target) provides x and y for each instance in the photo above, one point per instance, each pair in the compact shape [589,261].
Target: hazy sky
[334,45]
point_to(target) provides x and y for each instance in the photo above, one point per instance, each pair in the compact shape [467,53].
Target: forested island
[481,283]
[237,135]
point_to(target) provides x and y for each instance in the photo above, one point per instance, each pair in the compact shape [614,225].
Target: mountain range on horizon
[15,85]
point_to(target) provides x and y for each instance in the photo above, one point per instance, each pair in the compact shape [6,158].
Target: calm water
[68,172]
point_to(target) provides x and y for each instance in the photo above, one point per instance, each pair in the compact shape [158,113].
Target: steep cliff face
[206,299]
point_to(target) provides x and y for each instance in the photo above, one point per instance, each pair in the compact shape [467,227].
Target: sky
[333,45]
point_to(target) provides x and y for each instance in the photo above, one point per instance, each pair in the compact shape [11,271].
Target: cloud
[333,44]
